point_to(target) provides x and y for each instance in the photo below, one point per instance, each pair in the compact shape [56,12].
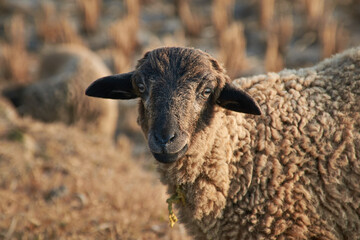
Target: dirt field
[61,182]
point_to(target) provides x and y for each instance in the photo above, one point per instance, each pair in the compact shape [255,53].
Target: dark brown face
[179,90]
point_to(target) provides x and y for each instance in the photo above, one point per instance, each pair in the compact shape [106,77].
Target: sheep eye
[141,87]
[207,92]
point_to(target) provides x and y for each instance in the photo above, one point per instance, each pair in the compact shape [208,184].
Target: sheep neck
[206,173]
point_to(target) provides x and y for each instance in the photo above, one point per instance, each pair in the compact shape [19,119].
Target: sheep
[65,72]
[289,168]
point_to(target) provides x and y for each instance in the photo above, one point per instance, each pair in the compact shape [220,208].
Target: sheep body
[65,71]
[292,173]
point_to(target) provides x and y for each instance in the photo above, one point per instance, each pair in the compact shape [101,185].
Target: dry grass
[279,29]
[333,37]
[126,43]
[231,38]
[15,31]
[266,8]
[90,11]
[284,29]
[177,39]
[328,38]
[192,23]
[133,8]
[123,34]
[274,61]
[55,28]
[15,59]
[120,60]
[221,15]
[315,10]
[233,49]
[170,40]
[59,183]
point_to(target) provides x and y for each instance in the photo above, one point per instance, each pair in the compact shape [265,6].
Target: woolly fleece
[292,173]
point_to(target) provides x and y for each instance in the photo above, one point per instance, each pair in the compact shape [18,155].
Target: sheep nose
[166,144]
[165,137]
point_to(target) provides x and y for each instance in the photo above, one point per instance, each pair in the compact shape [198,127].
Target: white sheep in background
[291,173]
[65,72]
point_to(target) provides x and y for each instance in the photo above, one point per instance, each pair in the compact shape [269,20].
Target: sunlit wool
[291,173]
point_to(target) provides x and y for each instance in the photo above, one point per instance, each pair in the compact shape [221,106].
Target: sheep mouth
[170,157]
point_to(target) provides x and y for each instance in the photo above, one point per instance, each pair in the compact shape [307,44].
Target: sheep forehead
[176,67]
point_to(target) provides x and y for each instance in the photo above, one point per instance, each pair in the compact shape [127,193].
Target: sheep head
[179,88]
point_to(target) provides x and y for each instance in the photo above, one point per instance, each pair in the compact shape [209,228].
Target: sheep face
[179,90]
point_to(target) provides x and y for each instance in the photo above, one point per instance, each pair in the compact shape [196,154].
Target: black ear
[235,99]
[117,86]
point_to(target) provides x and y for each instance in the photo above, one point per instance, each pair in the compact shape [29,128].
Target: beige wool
[292,173]
[65,72]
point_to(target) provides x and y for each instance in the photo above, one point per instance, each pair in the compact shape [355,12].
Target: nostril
[165,137]
[172,137]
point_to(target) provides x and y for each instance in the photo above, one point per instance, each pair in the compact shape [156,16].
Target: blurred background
[74,168]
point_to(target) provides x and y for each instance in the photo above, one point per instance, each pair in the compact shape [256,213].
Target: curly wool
[292,173]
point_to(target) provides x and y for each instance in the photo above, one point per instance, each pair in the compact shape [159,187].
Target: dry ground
[58,182]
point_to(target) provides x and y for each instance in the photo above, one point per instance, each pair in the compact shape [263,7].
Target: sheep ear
[235,99]
[117,86]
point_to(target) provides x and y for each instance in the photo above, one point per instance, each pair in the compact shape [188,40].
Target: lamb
[65,72]
[291,173]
